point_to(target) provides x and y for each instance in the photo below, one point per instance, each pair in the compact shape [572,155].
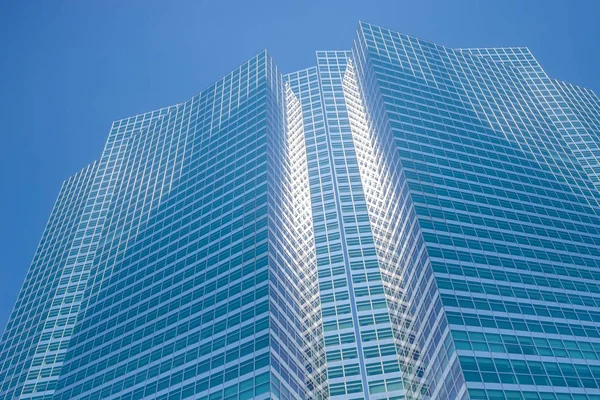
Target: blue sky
[67,69]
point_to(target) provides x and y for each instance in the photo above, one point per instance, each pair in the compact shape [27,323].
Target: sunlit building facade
[401,221]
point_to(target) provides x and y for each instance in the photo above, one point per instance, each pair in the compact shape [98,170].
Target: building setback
[401,221]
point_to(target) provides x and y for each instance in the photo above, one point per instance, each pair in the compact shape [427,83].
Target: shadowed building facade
[401,221]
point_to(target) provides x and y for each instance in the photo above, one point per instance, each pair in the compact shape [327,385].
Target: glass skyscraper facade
[401,221]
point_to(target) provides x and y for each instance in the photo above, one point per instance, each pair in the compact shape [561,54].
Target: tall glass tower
[400,221]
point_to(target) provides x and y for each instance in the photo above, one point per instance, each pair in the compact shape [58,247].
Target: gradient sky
[68,69]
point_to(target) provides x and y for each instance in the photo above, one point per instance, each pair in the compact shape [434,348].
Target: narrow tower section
[31,343]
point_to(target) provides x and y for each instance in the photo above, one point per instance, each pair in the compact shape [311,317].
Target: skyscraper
[401,221]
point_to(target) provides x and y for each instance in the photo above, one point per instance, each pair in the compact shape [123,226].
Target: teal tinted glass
[401,221]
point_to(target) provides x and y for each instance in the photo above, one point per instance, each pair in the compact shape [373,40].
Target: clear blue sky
[67,69]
